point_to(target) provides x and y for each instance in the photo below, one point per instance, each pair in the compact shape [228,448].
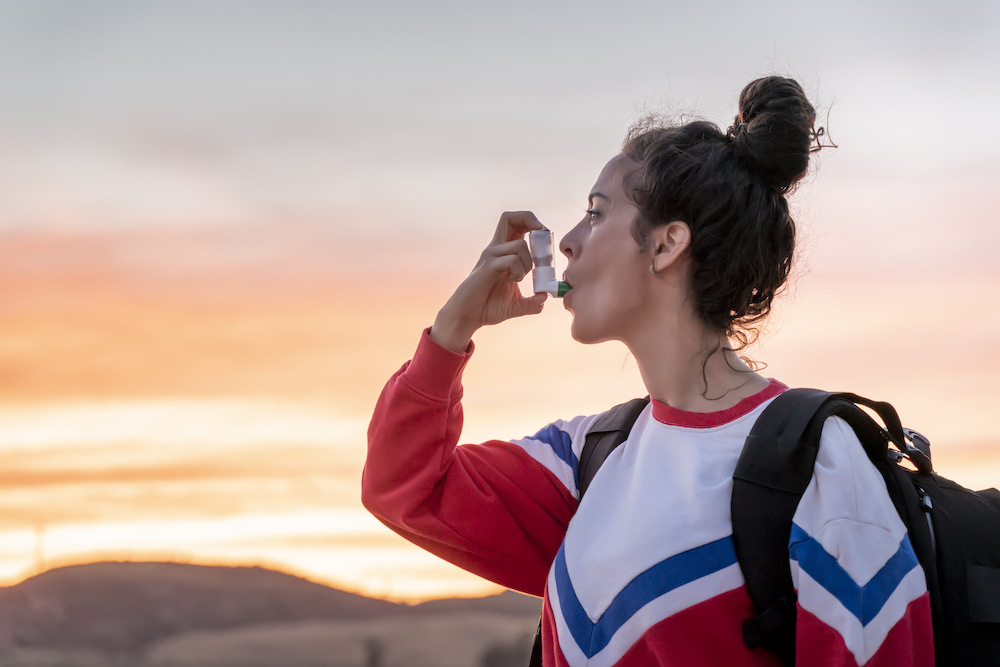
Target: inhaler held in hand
[543,275]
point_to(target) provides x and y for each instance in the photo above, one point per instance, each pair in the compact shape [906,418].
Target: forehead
[609,183]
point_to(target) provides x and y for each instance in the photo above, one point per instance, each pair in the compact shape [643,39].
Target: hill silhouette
[124,607]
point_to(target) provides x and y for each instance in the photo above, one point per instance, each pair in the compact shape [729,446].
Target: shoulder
[848,493]
[557,446]
[846,528]
[852,563]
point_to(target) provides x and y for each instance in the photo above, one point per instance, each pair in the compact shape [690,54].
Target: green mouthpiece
[562,288]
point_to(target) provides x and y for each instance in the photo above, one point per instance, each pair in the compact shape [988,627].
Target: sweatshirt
[643,571]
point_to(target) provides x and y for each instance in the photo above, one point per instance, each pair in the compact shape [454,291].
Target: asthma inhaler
[543,275]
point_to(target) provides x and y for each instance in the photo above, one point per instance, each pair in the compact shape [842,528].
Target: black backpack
[954,532]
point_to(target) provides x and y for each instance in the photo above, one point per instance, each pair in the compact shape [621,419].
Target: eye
[593,212]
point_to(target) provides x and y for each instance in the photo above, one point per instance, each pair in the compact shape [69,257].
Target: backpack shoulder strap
[609,431]
[773,471]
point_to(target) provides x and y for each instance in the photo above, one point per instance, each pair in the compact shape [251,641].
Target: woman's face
[608,272]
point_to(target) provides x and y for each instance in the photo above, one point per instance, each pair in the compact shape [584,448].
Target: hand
[490,294]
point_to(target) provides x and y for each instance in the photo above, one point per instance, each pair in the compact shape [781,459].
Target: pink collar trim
[665,414]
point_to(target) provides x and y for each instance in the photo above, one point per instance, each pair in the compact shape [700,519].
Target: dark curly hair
[730,190]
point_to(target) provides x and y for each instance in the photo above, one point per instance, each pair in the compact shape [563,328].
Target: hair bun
[773,130]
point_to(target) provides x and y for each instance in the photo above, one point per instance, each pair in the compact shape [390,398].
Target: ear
[669,242]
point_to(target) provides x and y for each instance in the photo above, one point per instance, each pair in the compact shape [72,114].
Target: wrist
[453,333]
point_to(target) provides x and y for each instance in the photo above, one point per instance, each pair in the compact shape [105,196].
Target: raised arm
[492,508]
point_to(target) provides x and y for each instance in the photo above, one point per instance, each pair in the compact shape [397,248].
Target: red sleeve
[490,508]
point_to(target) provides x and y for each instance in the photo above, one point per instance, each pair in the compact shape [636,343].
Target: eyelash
[593,212]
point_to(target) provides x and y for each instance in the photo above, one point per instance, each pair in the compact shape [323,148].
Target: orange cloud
[118,315]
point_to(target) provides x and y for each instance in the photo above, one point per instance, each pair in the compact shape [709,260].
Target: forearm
[413,432]
[488,508]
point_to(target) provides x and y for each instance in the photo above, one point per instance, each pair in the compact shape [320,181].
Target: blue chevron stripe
[658,580]
[562,444]
[866,601]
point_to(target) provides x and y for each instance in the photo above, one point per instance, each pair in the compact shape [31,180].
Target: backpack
[954,532]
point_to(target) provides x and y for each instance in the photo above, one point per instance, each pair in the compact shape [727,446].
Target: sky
[223,226]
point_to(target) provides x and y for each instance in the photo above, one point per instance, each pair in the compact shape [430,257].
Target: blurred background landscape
[181,615]
[223,225]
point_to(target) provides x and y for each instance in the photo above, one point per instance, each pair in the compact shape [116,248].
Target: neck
[690,367]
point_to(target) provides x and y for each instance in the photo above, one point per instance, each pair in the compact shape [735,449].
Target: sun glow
[231,482]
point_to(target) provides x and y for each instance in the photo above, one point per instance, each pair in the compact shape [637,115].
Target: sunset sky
[223,226]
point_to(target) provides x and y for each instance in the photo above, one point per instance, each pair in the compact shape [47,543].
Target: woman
[685,243]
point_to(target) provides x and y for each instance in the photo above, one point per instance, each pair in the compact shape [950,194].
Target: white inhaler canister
[543,275]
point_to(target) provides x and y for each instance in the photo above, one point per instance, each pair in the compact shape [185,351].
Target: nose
[569,245]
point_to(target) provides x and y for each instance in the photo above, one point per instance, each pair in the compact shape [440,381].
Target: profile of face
[608,270]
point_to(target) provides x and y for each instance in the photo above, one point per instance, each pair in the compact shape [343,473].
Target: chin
[581,334]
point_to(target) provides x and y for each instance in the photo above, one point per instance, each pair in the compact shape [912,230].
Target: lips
[568,293]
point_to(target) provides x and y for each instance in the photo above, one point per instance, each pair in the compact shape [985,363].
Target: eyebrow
[598,194]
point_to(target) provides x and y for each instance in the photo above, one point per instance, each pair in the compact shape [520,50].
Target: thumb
[531,305]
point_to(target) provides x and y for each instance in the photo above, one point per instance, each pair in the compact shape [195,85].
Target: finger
[509,264]
[514,225]
[524,255]
[529,306]
[518,248]
[516,262]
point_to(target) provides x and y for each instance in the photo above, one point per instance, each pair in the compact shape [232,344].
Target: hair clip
[816,137]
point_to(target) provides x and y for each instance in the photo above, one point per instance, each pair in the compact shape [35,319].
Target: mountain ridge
[127,606]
